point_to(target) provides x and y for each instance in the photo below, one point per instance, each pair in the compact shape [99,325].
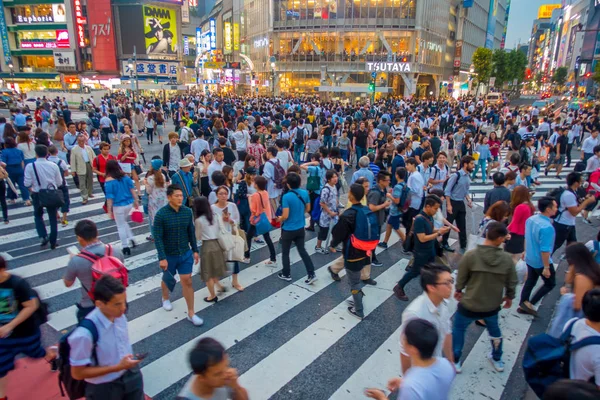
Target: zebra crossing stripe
[329,329]
[157,378]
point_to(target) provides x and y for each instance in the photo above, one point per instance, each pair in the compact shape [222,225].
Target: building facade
[404,47]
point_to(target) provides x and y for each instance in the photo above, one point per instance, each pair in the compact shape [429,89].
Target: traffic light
[372,87]
[528,74]
[588,74]
[156,79]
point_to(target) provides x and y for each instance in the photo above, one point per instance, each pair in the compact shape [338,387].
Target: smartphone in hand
[140,356]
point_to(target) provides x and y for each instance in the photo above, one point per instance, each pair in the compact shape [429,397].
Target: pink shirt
[517,225]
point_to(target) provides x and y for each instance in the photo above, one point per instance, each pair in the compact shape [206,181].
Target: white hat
[184,162]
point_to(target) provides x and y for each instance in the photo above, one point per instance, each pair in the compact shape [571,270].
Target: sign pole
[137,86]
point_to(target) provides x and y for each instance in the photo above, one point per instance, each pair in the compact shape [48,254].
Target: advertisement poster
[58,11]
[4,37]
[160,30]
[228,37]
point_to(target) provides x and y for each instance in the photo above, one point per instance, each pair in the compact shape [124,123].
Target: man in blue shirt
[294,205]
[20,119]
[398,161]
[185,180]
[539,243]
[457,191]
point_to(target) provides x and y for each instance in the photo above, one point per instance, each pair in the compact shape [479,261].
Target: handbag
[136,216]
[49,197]
[3,173]
[239,243]
[190,199]
[313,182]
[263,224]
[224,237]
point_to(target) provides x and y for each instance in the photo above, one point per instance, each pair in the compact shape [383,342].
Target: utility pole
[137,85]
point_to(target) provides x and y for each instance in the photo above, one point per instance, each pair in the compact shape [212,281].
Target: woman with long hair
[521,209]
[120,198]
[212,258]
[94,141]
[259,203]
[495,145]
[582,275]
[156,189]
[498,212]
[483,150]
[26,145]
[160,126]
[127,155]
[138,121]
[245,188]
[230,215]
[149,125]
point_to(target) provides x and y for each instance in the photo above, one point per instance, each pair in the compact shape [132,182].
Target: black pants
[569,148]
[105,135]
[38,216]
[150,134]
[533,274]
[459,214]
[297,237]
[130,386]
[563,233]
[420,260]
[251,233]
[3,200]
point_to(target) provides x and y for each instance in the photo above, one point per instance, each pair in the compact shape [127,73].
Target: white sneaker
[498,365]
[196,320]
[458,367]
[167,305]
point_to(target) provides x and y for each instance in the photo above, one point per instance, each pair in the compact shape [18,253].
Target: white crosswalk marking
[261,327]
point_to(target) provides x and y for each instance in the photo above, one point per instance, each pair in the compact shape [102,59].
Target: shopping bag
[136,216]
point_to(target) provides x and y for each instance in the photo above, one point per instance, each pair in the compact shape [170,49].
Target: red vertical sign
[102,36]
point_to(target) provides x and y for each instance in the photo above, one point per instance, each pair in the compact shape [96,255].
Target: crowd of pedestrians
[236,168]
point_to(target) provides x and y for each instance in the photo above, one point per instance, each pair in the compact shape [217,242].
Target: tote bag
[225,238]
[239,243]
[263,224]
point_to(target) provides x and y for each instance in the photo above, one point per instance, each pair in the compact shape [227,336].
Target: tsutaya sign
[388,67]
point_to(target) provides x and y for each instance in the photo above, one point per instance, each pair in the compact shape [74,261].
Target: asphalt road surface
[287,340]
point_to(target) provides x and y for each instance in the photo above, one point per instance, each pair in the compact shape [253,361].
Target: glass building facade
[305,44]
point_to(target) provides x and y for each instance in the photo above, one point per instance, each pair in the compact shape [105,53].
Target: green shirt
[174,232]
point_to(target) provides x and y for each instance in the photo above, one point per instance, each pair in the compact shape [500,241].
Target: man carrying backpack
[378,200]
[457,191]
[274,173]
[424,239]
[22,316]
[80,266]
[300,134]
[585,362]
[100,351]
[354,259]
[400,202]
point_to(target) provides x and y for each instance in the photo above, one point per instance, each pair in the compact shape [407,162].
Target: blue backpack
[366,230]
[597,251]
[547,358]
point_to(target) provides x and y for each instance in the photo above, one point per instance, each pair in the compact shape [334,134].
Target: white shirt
[214,166]
[197,147]
[206,231]
[241,139]
[234,214]
[184,134]
[585,362]
[422,307]
[113,344]
[593,163]
[589,144]
[285,159]
[567,199]
[415,183]
[269,174]
[48,172]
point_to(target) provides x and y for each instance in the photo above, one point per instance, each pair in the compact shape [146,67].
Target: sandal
[270,262]
[239,287]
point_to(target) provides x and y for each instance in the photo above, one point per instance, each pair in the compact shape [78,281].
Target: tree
[500,67]
[517,64]
[560,76]
[596,75]
[482,64]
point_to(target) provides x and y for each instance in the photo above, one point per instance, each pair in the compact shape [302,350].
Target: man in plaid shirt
[175,239]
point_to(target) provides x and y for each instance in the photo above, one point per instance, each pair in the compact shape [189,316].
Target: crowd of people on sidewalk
[237,168]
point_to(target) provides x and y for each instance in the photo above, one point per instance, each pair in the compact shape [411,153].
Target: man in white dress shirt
[43,174]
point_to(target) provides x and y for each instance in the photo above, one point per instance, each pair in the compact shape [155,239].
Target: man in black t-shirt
[561,150]
[424,238]
[360,142]
[19,323]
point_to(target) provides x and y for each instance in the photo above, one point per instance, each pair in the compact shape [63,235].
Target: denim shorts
[394,221]
[181,264]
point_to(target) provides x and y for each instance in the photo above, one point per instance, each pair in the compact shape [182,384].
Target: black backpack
[556,194]
[299,139]
[75,389]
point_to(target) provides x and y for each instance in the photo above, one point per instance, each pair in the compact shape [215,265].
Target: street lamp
[12,73]
[273,65]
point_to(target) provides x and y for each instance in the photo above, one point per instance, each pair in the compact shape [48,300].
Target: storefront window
[36,39]
[36,64]
[43,13]
[290,10]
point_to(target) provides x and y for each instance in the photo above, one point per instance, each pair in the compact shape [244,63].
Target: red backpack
[107,264]
[594,178]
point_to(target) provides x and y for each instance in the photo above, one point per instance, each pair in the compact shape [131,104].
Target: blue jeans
[298,148]
[360,151]
[328,141]
[482,163]
[344,154]
[459,327]
[17,176]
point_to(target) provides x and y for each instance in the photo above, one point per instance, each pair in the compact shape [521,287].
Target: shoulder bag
[263,223]
[49,197]
[190,199]
[224,237]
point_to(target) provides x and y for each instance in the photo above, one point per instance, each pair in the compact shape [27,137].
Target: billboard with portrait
[160,30]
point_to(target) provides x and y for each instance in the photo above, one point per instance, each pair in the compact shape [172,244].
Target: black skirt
[516,244]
